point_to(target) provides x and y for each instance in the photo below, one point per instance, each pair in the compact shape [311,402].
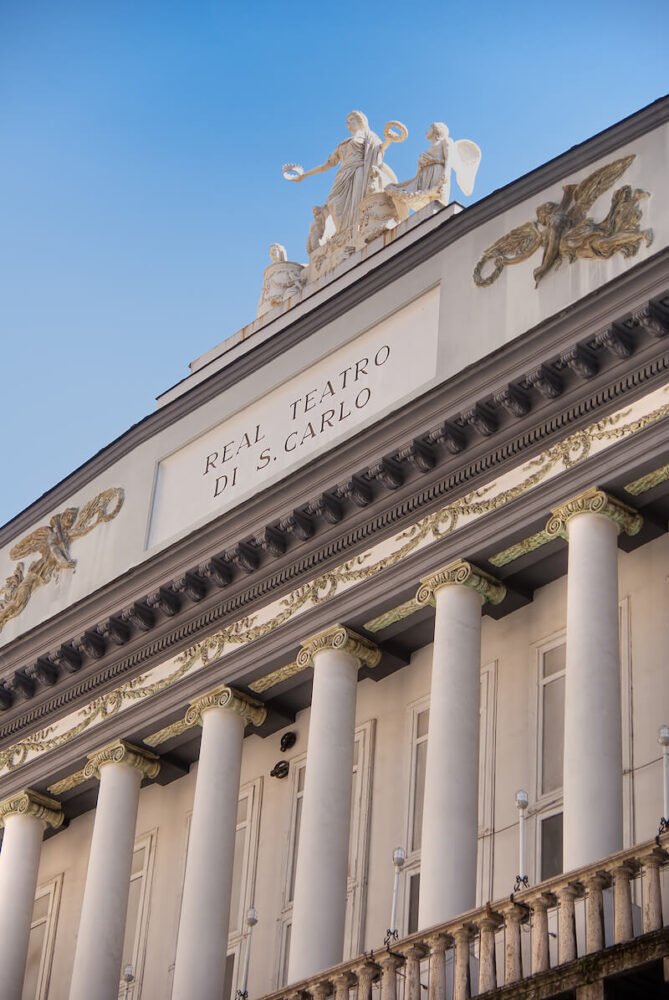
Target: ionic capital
[594,501]
[339,637]
[226,697]
[121,752]
[462,574]
[30,803]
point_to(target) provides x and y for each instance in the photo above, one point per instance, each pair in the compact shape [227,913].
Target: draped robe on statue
[361,171]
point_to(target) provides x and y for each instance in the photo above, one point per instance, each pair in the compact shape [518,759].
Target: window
[552,717]
[137,917]
[363,755]
[551,845]
[41,941]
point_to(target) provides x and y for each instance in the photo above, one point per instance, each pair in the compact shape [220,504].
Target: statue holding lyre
[361,170]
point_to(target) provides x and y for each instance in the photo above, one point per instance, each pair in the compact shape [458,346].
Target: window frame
[53,889]
[147,842]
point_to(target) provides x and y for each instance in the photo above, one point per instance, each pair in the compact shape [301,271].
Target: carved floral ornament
[51,543]
[343,639]
[30,803]
[462,574]
[566,233]
[431,529]
[594,501]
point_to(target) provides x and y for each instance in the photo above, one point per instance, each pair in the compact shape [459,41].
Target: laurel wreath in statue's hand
[395,131]
[292,172]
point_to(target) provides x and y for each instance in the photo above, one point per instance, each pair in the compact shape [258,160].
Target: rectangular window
[137,918]
[551,846]
[552,681]
[41,941]
[419,758]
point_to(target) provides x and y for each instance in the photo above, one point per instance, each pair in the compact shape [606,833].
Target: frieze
[429,530]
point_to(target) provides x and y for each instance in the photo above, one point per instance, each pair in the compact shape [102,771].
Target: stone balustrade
[566,934]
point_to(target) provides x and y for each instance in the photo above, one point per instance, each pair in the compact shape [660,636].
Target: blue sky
[140,181]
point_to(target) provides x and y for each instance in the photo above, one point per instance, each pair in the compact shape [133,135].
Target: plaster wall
[510,644]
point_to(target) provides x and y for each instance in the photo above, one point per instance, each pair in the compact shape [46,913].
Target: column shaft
[205,910]
[97,960]
[593,813]
[19,864]
[450,809]
[319,908]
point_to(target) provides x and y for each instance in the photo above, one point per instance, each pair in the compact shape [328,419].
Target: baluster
[514,915]
[365,974]
[321,990]
[413,955]
[540,951]
[487,925]
[652,896]
[622,900]
[342,984]
[389,963]
[461,981]
[567,894]
[437,987]
[594,910]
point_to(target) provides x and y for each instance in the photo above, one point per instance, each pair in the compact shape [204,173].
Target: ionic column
[450,808]
[319,908]
[205,910]
[24,816]
[120,768]
[593,810]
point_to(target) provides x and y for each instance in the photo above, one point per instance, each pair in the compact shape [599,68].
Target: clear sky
[140,180]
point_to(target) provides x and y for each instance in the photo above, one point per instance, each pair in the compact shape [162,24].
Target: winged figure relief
[51,544]
[566,232]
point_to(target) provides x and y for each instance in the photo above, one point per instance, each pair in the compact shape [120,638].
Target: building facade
[386,557]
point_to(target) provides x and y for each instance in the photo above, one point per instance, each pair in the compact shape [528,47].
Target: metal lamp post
[399,857]
[663,740]
[522,802]
[251,921]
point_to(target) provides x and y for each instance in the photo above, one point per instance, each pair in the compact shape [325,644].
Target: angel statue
[360,169]
[433,177]
[566,232]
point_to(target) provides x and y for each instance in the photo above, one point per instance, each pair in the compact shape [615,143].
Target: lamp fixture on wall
[399,857]
[251,921]
[663,740]
[522,802]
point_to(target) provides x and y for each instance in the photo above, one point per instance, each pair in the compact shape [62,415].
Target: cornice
[397,260]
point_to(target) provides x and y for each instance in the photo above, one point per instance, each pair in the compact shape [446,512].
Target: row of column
[592,782]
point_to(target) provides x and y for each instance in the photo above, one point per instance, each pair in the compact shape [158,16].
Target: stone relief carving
[282,279]
[366,199]
[566,232]
[52,544]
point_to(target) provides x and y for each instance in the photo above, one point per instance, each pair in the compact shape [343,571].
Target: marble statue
[282,279]
[433,176]
[360,169]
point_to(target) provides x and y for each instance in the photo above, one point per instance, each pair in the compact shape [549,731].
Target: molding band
[251,711]
[30,803]
[461,574]
[338,637]
[121,752]
[594,501]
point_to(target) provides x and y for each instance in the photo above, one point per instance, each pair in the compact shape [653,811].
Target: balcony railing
[575,929]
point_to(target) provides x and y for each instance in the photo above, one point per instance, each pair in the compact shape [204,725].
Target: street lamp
[663,740]
[251,921]
[399,857]
[522,802]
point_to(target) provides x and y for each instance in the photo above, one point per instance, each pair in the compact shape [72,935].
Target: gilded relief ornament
[51,543]
[565,232]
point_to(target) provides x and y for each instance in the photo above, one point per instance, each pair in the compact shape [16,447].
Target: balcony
[588,934]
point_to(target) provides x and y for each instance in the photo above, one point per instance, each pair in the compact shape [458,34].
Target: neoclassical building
[388,569]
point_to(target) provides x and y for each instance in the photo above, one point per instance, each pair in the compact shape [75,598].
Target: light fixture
[522,802]
[663,740]
[399,857]
[251,921]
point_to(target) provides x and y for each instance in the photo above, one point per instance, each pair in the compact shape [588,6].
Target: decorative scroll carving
[276,677]
[30,803]
[52,543]
[251,711]
[648,482]
[462,574]
[121,752]
[67,783]
[341,638]
[521,548]
[566,232]
[594,501]
[392,616]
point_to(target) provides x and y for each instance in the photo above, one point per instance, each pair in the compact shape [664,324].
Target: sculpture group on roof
[366,199]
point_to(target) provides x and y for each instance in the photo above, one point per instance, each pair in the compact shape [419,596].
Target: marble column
[205,909]
[319,907]
[120,768]
[450,808]
[24,816]
[593,796]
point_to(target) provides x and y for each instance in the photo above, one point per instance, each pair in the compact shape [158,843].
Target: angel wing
[588,191]
[466,156]
[38,540]
[512,248]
